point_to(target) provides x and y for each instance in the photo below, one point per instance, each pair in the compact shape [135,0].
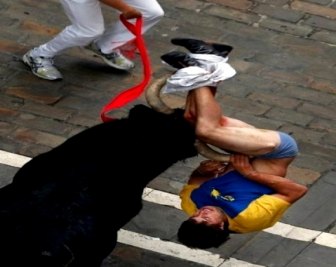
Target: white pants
[88,25]
[211,71]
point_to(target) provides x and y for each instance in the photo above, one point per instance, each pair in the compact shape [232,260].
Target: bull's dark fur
[64,207]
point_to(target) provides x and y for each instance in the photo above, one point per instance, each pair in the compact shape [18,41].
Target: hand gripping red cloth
[132,93]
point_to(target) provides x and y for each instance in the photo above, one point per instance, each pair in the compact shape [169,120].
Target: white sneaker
[42,67]
[114,59]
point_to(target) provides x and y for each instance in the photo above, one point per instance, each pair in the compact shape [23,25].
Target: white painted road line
[169,248]
[11,159]
[280,229]
[179,251]
[164,198]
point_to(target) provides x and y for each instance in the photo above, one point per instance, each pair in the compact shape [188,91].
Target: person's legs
[87,23]
[117,34]
[107,46]
[226,133]
[82,31]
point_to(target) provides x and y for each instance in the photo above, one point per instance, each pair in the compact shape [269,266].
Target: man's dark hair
[198,235]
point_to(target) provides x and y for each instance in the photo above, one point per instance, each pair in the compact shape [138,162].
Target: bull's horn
[153,98]
[210,153]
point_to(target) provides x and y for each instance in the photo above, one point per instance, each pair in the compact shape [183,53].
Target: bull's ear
[153,96]
[211,153]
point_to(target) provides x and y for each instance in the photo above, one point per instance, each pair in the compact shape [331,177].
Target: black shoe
[200,47]
[179,60]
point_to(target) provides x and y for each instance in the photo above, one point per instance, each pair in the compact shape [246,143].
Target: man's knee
[152,12]
[89,32]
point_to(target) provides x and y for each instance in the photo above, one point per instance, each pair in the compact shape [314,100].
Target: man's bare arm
[286,189]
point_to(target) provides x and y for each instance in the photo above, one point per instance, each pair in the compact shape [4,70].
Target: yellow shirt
[261,213]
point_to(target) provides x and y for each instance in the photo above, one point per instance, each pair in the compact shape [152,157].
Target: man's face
[210,216]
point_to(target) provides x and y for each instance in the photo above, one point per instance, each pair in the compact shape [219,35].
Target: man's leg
[87,23]
[117,34]
[216,129]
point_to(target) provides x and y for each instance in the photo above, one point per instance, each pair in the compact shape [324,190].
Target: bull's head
[154,100]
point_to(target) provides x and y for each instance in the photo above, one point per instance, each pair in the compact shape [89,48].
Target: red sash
[132,93]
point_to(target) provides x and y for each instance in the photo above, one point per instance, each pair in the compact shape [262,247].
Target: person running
[87,29]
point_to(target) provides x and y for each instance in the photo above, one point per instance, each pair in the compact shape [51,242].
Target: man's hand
[131,13]
[285,189]
[126,10]
[241,163]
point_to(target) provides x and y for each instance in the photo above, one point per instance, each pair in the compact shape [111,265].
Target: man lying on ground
[250,193]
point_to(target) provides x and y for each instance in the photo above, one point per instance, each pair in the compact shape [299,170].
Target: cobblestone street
[285,57]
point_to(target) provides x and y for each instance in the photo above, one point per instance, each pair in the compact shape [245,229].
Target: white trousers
[87,25]
[211,71]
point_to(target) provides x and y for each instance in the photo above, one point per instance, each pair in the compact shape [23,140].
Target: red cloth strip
[134,92]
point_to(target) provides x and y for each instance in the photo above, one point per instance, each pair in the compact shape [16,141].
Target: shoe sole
[113,65]
[91,52]
[168,66]
[222,49]
[27,62]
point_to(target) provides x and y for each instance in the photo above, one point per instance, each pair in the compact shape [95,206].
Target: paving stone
[324,152]
[323,86]
[232,14]
[281,76]
[128,256]
[155,217]
[321,22]
[274,100]
[299,30]
[246,105]
[274,2]
[259,122]
[283,253]
[322,124]
[6,174]
[319,197]
[320,111]
[307,94]
[320,2]
[52,111]
[302,176]
[32,149]
[313,256]
[25,135]
[7,114]
[35,90]
[304,133]
[254,250]
[9,145]
[294,117]
[329,139]
[278,13]
[314,9]
[309,160]
[240,4]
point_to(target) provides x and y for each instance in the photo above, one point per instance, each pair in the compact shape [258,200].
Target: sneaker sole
[27,62]
[89,51]
[113,65]
[168,67]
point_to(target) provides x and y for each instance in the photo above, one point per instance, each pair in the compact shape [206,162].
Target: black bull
[64,207]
